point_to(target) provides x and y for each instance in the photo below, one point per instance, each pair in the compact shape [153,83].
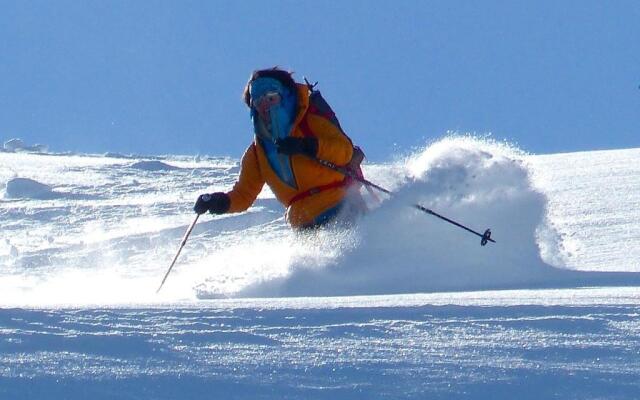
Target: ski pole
[184,241]
[485,237]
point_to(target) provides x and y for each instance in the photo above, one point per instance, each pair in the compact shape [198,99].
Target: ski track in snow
[86,240]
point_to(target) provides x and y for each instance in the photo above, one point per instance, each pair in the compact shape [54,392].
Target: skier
[294,127]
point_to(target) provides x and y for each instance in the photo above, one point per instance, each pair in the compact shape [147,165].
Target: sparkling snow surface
[401,306]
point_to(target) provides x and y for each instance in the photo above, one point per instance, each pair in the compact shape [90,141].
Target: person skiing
[293,130]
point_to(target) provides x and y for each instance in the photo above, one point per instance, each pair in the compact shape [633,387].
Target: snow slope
[73,223]
[549,311]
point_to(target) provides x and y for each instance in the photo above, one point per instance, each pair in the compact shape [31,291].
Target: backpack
[319,106]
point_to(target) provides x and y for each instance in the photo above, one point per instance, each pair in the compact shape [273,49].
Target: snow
[27,188]
[18,145]
[152,165]
[403,305]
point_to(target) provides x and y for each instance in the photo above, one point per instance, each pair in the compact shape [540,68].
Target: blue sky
[156,77]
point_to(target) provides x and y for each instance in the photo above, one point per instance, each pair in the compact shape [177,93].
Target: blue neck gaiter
[282,116]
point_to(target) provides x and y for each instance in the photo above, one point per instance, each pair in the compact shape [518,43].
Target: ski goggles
[266,101]
[265,88]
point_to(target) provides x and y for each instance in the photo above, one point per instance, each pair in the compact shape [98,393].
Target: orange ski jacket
[333,146]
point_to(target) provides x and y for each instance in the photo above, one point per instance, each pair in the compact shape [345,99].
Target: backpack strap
[318,106]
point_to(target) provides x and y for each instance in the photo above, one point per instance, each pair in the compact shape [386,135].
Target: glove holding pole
[215,203]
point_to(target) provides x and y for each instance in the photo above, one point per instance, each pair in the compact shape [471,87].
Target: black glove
[215,203]
[292,145]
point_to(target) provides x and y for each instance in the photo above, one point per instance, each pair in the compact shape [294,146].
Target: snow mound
[153,165]
[20,188]
[18,145]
